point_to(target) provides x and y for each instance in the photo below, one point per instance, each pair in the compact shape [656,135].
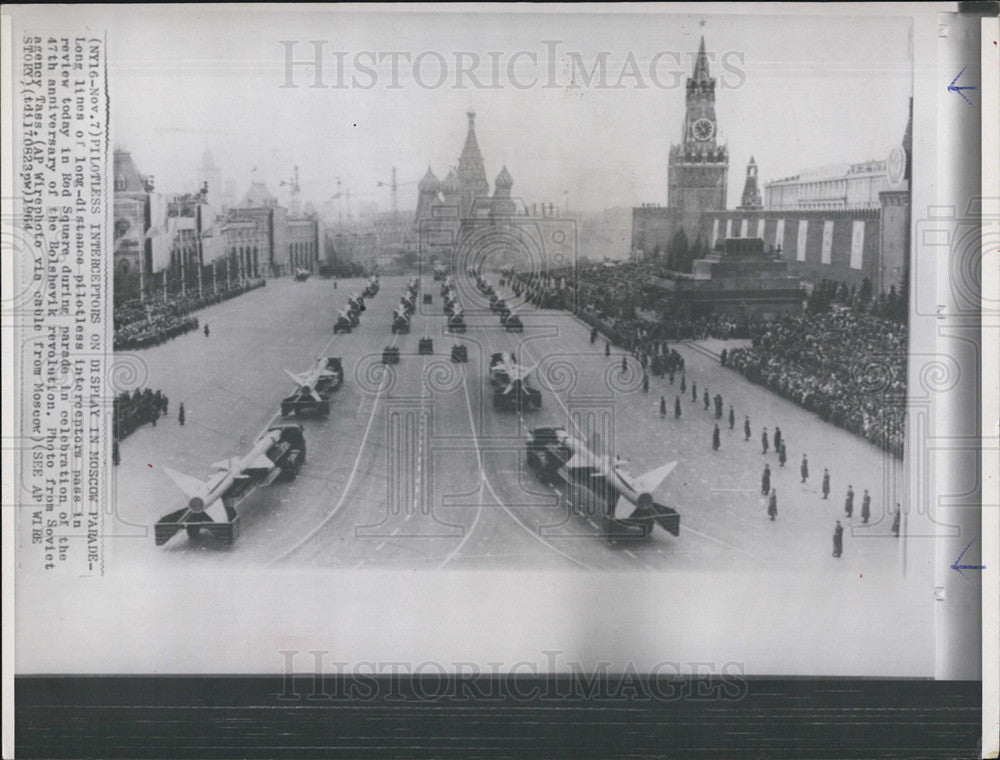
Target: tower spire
[700,74]
[471,149]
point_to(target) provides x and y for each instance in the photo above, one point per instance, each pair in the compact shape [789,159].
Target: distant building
[847,223]
[830,188]
[458,216]
[261,239]
[133,250]
[210,178]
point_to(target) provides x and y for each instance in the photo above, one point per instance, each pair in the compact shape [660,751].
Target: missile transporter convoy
[212,504]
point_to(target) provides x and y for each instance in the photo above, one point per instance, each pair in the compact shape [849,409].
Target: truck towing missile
[401,320]
[511,387]
[596,485]
[278,453]
[315,387]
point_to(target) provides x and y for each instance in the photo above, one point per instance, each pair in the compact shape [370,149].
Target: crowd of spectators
[132,410]
[139,324]
[844,358]
[847,366]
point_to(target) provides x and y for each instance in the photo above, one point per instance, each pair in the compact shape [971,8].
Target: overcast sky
[802,91]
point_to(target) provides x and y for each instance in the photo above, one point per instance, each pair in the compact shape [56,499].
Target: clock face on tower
[703,129]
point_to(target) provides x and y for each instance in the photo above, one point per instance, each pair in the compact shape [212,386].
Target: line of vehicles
[278,454]
[593,482]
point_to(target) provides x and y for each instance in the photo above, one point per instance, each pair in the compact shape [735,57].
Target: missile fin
[261,462]
[650,481]
[190,486]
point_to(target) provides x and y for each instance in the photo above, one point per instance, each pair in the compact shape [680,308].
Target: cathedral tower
[471,171]
[698,167]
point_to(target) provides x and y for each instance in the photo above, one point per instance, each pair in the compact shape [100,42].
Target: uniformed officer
[694,390]
[715,439]
[866,504]
[804,469]
[683,382]
[180,414]
[777,438]
[732,417]
[705,399]
[782,455]
[772,504]
[849,501]
[826,482]
[677,407]
[746,428]
[838,540]
[763,441]
[765,480]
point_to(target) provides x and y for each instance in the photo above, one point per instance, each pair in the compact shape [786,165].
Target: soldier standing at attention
[772,504]
[683,382]
[826,482]
[663,407]
[705,399]
[777,438]
[838,540]
[180,414]
[765,480]
[866,504]
[694,390]
[804,469]
[746,429]
[782,455]
[732,417]
[763,441]
[715,439]
[677,407]
[849,501]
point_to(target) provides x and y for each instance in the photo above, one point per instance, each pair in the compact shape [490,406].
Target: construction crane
[394,188]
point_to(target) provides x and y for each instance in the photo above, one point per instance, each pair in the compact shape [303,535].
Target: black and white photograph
[475,340]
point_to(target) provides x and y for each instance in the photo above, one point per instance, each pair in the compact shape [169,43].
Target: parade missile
[204,495]
[637,490]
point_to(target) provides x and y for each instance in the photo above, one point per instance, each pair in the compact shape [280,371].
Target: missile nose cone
[644,500]
[197,504]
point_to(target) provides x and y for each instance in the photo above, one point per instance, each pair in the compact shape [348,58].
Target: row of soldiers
[132,410]
[780,447]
